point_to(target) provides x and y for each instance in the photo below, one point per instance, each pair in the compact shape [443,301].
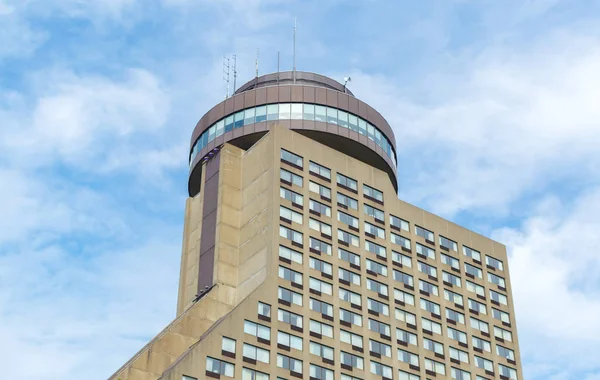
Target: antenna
[257,52]
[234,73]
[294,70]
[346,80]
[278,67]
[226,74]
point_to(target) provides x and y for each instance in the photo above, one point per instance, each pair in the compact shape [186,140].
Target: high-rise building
[299,260]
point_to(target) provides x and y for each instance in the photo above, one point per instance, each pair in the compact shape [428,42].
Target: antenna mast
[226,74]
[234,73]
[278,67]
[257,51]
[294,70]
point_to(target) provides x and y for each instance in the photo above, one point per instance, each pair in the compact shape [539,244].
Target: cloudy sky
[494,105]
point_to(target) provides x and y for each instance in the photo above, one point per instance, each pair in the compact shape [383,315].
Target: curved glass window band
[296,111]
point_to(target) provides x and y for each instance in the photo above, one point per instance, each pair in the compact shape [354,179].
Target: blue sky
[494,107]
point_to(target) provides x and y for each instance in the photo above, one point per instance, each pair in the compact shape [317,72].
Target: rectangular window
[320,287]
[261,114]
[323,267]
[321,350]
[264,310]
[431,326]
[432,345]
[375,268]
[352,339]
[343,119]
[292,196]
[296,237]
[350,360]
[453,316]
[403,298]
[448,244]
[353,122]
[477,307]
[507,372]
[450,279]
[228,345]
[289,296]
[427,288]
[457,335]
[459,374]
[272,111]
[284,111]
[250,374]
[402,375]
[481,345]
[290,275]
[321,113]
[293,319]
[483,363]
[401,260]
[498,298]
[375,213]
[503,334]
[296,111]
[431,307]
[289,341]
[480,325]
[405,338]
[347,238]
[290,178]
[320,373]
[453,297]
[346,202]
[379,348]
[348,220]
[381,370]
[350,257]
[494,279]
[347,277]
[228,125]
[287,215]
[373,231]
[323,191]
[258,330]
[378,287]
[332,115]
[249,115]
[501,316]
[380,327]
[291,364]
[377,307]
[319,208]
[431,271]
[408,357]
[373,194]
[320,329]
[291,158]
[319,247]
[350,317]
[435,366]
[424,233]
[239,120]
[506,353]
[425,252]
[475,288]
[308,112]
[460,355]
[323,228]
[324,308]
[399,224]
[401,241]
[375,248]
[347,183]
[404,278]
[289,255]
[319,171]
[220,367]
[406,317]
[473,271]
[473,254]
[256,353]
[493,263]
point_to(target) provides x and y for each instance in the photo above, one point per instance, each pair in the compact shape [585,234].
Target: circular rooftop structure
[313,105]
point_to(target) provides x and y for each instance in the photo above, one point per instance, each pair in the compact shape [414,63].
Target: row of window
[293,111]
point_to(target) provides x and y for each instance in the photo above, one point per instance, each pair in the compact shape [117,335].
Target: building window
[347,238]
[425,234]
[375,248]
[321,350]
[319,247]
[352,339]
[431,307]
[290,275]
[383,329]
[372,194]
[497,280]
[431,271]
[321,113]
[458,355]
[408,357]
[375,213]
[379,348]
[453,297]
[220,367]
[250,374]
[401,241]
[425,252]
[449,260]
[228,347]
[323,191]
[435,366]
[485,364]
[323,228]
[346,277]
[294,236]
[289,296]
[319,208]
[289,255]
[427,288]
[325,268]
[505,353]
[404,298]
[459,374]
[381,370]
[477,307]
[184,377]
[378,287]
[501,316]
[375,268]
[258,330]
[291,158]
[318,170]
[321,287]
[347,183]
[320,329]
[481,345]
[402,375]
[256,353]
[431,326]
[291,364]
[346,202]
[349,220]
[332,115]
[348,377]
[293,319]
[475,288]
[455,316]
[350,257]
[284,111]
[320,373]
[378,307]
[448,244]
[350,317]
[457,335]
[507,372]
[480,325]
[291,196]
[401,259]
[502,334]
[472,271]
[498,299]
[409,318]
[450,279]
[405,338]
[404,278]
[473,254]
[399,224]
[324,308]
[493,263]
[290,178]
[433,346]
[348,296]
[373,231]
[350,360]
